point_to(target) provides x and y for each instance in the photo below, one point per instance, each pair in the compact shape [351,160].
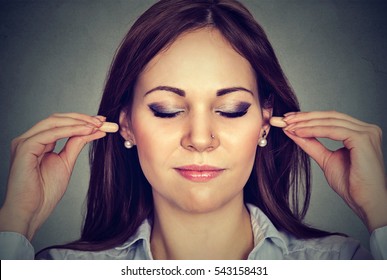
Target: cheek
[155,144]
[241,139]
[246,150]
[146,141]
[142,136]
[158,142]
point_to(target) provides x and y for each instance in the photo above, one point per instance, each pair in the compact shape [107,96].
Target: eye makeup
[162,111]
[235,111]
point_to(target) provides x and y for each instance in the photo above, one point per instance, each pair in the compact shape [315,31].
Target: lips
[199,173]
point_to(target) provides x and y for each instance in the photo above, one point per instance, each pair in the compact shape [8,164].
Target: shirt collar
[142,233]
[263,230]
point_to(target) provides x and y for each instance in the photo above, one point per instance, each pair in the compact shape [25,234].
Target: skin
[201,64]
[356,171]
[39,177]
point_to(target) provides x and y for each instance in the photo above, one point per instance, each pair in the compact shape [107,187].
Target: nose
[200,135]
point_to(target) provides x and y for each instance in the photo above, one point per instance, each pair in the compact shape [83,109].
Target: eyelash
[160,112]
[232,115]
[240,110]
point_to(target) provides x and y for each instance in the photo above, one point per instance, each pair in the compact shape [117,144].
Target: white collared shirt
[269,244]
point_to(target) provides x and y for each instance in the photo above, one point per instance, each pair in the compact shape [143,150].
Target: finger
[101,118]
[293,117]
[360,141]
[331,132]
[326,122]
[90,119]
[74,146]
[365,142]
[312,147]
[61,120]
[37,143]
[49,148]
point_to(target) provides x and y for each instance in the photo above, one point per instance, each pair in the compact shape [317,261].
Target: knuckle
[377,131]
[17,145]
[373,134]
[14,143]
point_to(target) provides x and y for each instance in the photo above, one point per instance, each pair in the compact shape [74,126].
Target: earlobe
[126,128]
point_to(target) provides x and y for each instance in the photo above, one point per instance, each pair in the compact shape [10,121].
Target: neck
[225,233]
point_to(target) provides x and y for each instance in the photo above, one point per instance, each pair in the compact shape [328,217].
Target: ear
[126,127]
[266,115]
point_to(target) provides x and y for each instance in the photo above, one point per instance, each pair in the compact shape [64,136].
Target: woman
[193,87]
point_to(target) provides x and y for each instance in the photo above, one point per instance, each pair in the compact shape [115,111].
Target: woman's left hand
[356,171]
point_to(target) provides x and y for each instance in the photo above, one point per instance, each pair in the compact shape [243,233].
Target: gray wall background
[54,56]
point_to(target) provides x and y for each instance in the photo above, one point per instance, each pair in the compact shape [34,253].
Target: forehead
[199,58]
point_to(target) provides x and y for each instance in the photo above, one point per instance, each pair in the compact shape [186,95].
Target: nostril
[200,144]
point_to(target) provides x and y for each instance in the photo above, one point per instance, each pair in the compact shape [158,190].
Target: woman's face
[196,121]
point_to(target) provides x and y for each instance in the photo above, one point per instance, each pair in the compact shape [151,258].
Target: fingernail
[101,118]
[98,120]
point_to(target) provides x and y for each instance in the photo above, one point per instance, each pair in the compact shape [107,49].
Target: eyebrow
[181,92]
[232,89]
[177,91]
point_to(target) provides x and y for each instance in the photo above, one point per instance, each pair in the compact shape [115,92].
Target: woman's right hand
[38,176]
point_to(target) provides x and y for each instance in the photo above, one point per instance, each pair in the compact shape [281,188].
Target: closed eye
[239,111]
[160,111]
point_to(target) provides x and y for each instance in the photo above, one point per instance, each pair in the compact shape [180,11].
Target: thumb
[74,146]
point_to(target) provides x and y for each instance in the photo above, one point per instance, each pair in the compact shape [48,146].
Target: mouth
[199,173]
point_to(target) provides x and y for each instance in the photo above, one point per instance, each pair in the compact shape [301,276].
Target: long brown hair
[120,197]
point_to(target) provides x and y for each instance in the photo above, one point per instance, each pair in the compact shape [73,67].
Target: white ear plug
[278,122]
[109,127]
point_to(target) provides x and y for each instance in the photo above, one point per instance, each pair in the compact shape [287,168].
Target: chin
[200,208]
[202,204]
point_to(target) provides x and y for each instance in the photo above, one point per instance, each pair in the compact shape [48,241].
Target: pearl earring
[262,141]
[128,144]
